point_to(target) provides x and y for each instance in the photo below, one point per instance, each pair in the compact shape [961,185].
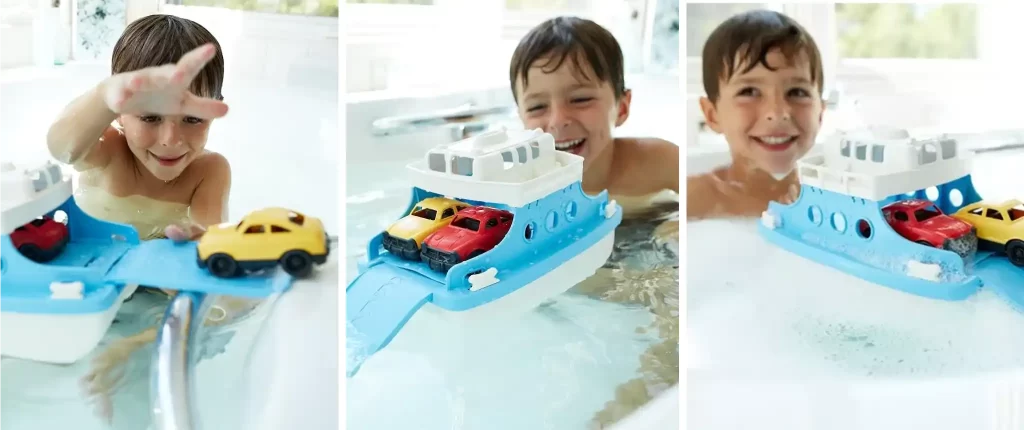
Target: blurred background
[932,67]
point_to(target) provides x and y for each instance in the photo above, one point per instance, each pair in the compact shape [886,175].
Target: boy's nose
[170,135]
[559,118]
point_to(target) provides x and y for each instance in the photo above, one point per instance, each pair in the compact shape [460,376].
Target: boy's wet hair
[747,38]
[589,46]
[156,40]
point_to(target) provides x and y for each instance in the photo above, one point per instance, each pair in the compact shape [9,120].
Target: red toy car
[474,231]
[922,222]
[41,240]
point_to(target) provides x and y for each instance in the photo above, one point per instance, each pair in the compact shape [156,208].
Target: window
[977,211]
[296,218]
[901,216]
[535,149]
[926,213]
[948,149]
[702,18]
[448,212]
[896,30]
[493,222]
[505,219]
[287,7]
[878,153]
[994,214]
[522,153]
[927,153]
[436,162]
[844,148]
[390,41]
[862,151]
[466,223]
[1017,212]
[506,156]
[425,213]
[254,229]
[462,165]
[278,229]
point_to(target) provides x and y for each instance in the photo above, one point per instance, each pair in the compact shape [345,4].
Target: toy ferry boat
[497,224]
[896,211]
[65,274]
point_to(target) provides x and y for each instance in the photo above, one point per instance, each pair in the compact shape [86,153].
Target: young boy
[763,79]
[567,79]
[139,139]
[139,136]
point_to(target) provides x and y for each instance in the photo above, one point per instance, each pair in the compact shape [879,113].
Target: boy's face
[768,117]
[579,112]
[166,145]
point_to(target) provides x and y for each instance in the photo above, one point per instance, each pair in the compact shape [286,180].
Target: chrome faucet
[463,121]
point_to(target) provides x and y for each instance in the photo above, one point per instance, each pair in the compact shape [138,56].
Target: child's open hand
[164,90]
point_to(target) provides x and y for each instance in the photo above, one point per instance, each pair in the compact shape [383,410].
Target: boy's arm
[209,204]
[82,135]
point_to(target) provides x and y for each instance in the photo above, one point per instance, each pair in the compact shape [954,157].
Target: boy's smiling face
[770,117]
[578,109]
[166,145]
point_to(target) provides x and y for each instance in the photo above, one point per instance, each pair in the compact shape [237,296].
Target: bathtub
[274,362]
[824,350]
[404,379]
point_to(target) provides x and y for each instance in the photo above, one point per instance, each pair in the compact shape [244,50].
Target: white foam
[753,307]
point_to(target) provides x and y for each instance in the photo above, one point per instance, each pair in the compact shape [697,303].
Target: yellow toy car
[263,239]
[404,237]
[1000,224]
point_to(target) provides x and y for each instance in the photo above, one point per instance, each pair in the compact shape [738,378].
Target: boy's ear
[623,108]
[821,115]
[710,114]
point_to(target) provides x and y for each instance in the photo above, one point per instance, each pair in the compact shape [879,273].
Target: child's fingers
[202,107]
[186,233]
[192,63]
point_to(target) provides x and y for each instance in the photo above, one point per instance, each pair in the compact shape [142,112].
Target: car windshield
[926,213]
[1017,213]
[466,223]
[425,213]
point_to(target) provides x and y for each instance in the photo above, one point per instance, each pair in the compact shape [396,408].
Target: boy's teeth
[771,140]
[567,144]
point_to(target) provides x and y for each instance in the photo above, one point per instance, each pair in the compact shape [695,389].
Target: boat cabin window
[535,148]
[522,153]
[462,165]
[506,157]
[862,151]
[928,153]
[878,153]
[436,162]
[948,149]
[844,148]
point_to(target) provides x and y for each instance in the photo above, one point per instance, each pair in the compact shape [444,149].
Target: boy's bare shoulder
[651,161]
[211,165]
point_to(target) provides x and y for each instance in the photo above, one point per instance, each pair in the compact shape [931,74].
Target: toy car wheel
[1015,252]
[297,263]
[222,266]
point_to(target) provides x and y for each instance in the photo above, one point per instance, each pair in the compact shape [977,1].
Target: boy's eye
[535,108]
[799,92]
[582,99]
[192,120]
[747,92]
[149,118]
